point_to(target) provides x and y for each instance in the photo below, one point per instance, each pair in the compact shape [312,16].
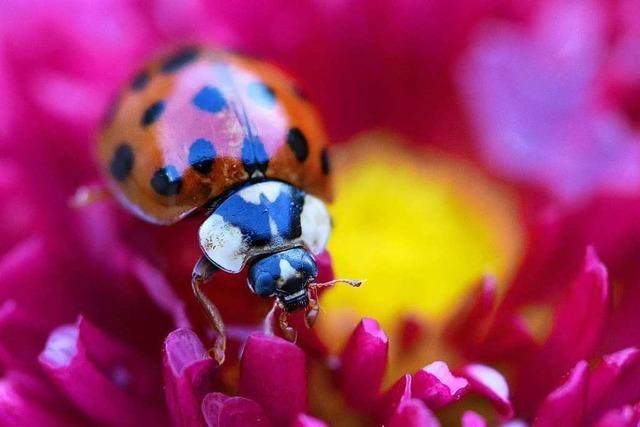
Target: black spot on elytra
[140,81]
[167,181]
[325,163]
[261,94]
[122,162]
[298,144]
[254,156]
[202,155]
[179,60]
[152,113]
[209,99]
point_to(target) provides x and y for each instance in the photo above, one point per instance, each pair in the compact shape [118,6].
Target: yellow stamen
[420,227]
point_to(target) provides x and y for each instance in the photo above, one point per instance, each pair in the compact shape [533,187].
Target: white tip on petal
[61,347]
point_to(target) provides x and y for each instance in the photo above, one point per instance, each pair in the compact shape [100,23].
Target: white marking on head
[270,190]
[316,224]
[223,243]
[286,270]
[294,295]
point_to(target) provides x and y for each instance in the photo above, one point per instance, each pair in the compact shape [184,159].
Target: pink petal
[20,213]
[108,382]
[509,336]
[490,384]
[189,375]
[211,408]
[24,269]
[272,372]
[577,326]
[466,325]
[362,364]
[473,419]
[413,331]
[307,421]
[397,393]
[604,375]
[546,126]
[627,416]
[436,386]
[614,382]
[220,410]
[17,409]
[21,337]
[413,413]
[565,405]
[586,304]
[160,290]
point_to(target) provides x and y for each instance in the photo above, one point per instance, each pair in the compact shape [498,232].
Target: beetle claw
[311,315]
[217,352]
[288,331]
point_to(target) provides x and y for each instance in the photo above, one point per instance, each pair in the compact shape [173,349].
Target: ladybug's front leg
[201,273]
[287,330]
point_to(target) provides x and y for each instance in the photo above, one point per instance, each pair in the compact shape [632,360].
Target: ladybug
[204,131]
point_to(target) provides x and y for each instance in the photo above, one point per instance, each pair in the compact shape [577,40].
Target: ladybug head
[285,275]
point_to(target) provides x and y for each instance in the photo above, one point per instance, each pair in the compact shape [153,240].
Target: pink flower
[551,381]
[273,385]
[546,98]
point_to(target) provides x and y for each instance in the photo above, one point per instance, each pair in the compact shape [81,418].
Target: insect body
[205,130]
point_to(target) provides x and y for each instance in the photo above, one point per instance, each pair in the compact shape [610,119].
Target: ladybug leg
[312,312]
[88,195]
[267,324]
[201,273]
[288,331]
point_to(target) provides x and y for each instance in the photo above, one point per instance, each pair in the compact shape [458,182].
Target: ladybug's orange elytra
[199,122]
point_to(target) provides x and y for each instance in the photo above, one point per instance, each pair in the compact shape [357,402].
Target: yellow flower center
[421,229]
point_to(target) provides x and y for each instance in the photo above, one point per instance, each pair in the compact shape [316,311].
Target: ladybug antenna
[351,282]
[313,308]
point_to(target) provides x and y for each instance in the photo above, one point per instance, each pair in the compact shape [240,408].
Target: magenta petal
[242,412]
[109,389]
[19,410]
[397,393]
[220,410]
[189,376]
[606,373]
[565,405]
[466,325]
[580,318]
[472,419]
[413,413]
[21,337]
[306,421]
[545,126]
[614,382]
[627,416]
[491,384]
[211,408]
[159,289]
[362,364]
[577,326]
[272,372]
[436,386]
